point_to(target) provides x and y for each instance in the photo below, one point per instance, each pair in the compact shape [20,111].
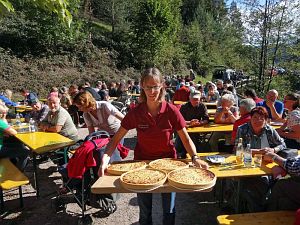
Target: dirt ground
[191,208]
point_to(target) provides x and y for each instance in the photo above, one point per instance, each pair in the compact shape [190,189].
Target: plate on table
[215,158]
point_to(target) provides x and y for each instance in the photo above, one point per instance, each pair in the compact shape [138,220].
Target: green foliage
[154,28]
[59,7]
[34,31]
[5,7]
[174,35]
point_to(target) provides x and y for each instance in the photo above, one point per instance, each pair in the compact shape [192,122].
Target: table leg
[1,200]
[35,176]
[221,197]
[237,207]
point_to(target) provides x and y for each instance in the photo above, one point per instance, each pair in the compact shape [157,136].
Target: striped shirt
[292,166]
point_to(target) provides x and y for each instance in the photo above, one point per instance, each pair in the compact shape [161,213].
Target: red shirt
[244,119]
[182,94]
[258,100]
[154,135]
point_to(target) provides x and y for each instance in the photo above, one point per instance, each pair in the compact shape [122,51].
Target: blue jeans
[17,152]
[145,204]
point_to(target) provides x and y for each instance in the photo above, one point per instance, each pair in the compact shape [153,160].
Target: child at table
[12,149]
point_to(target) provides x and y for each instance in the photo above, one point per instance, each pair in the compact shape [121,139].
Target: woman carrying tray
[155,121]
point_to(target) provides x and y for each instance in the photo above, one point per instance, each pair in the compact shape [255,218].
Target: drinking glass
[257,159]
[239,158]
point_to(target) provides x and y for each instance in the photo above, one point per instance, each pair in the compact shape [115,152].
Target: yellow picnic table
[10,175]
[22,108]
[211,111]
[211,127]
[44,100]
[213,104]
[179,102]
[210,105]
[229,169]
[214,127]
[264,218]
[42,142]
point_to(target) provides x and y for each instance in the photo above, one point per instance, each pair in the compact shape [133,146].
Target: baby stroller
[80,180]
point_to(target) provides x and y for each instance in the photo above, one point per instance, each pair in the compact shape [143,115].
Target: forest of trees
[105,39]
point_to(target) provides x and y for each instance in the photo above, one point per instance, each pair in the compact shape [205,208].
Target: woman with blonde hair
[155,121]
[13,149]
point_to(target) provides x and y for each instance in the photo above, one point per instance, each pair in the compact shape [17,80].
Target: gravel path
[191,208]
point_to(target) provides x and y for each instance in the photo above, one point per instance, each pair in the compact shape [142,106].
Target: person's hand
[43,127]
[104,165]
[269,103]
[226,110]
[194,123]
[200,163]
[268,150]
[278,172]
[268,156]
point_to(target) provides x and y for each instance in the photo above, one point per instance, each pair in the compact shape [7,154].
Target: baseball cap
[33,101]
[195,94]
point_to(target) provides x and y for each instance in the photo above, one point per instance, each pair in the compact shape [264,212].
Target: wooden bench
[11,177]
[263,218]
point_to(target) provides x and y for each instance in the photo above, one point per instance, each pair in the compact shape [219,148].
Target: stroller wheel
[59,205]
[111,209]
[86,220]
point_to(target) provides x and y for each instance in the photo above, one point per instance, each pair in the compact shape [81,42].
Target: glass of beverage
[257,159]
[239,158]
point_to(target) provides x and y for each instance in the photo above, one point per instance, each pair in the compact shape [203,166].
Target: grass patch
[203,79]
[102,26]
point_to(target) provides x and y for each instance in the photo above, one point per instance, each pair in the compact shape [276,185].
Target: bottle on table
[248,156]
[239,152]
[32,127]
[18,120]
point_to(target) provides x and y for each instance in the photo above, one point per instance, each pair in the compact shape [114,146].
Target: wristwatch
[194,157]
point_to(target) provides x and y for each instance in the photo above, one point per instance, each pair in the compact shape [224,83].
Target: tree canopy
[174,35]
[59,7]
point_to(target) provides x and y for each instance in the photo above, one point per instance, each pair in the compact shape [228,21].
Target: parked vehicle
[223,73]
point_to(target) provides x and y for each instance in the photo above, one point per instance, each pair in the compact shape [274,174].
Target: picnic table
[265,218]
[22,108]
[214,127]
[209,105]
[42,142]
[211,127]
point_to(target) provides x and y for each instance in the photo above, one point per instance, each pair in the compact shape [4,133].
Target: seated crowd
[68,108]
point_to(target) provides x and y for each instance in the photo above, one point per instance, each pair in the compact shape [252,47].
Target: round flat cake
[192,178]
[118,168]
[168,164]
[143,179]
